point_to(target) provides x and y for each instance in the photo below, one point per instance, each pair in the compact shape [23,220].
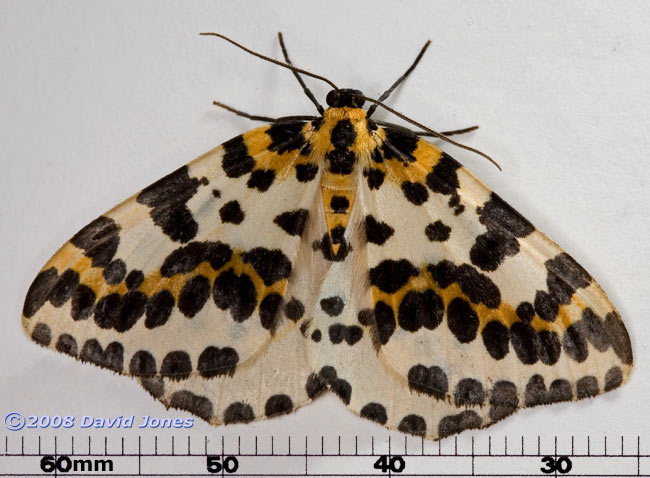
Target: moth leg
[266,119]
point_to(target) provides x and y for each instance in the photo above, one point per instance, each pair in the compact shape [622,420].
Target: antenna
[272,60]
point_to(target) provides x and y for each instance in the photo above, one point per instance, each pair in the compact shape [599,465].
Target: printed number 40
[394,464]
[561,464]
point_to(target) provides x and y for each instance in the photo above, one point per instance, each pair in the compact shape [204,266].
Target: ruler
[324,456]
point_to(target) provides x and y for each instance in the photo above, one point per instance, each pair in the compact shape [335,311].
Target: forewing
[474,309]
[183,284]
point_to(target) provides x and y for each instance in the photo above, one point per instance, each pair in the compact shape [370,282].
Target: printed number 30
[561,464]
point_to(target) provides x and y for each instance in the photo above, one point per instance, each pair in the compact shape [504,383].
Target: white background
[99,99]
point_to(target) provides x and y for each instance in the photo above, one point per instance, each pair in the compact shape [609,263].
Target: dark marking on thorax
[341,159]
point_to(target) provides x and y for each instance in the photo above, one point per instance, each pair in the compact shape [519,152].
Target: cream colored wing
[188,284]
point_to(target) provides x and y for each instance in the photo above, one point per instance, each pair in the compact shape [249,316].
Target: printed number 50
[230,464]
[561,464]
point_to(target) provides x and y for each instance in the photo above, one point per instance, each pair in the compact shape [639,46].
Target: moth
[331,252]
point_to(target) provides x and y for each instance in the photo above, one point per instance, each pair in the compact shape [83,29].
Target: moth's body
[332,254]
[344,140]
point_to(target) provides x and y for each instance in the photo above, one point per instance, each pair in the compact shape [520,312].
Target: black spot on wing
[168,199]
[402,141]
[158,309]
[478,287]
[601,333]
[413,424]
[261,179]
[525,342]
[384,322]
[419,309]
[215,361]
[294,309]
[231,212]
[315,385]
[185,259]
[350,334]
[176,365]
[112,358]
[375,412]
[377,232]
[549,347]
[39,291]
[133,307]
[134,279]
[42,334]
[339,386]
[238,412]
[278,405]
[286,136]
[83,302]
[437,231]
[391,275]
[108,310]
[504,225]
[374,176]
[270,265]
[332,306]
[537,394]
[503,400]
[196,404]
[67,344]
[236,160]
[564,277]
[99,240]
[496,338]
[366,317]
[469,392]
[415,193]
[496,215]
[306,172]
[142,364]
[490,249]
[462,320]
[452,424]
[432,380]
[63,287]
[525,312]
[292,222]
[269,311]
[194,295]
[236,293]
[587,387]
[618,337]
[443,178]
[115,272]
[613,378]
[574,343]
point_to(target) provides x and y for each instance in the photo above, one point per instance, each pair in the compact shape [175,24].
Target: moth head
[345,97]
